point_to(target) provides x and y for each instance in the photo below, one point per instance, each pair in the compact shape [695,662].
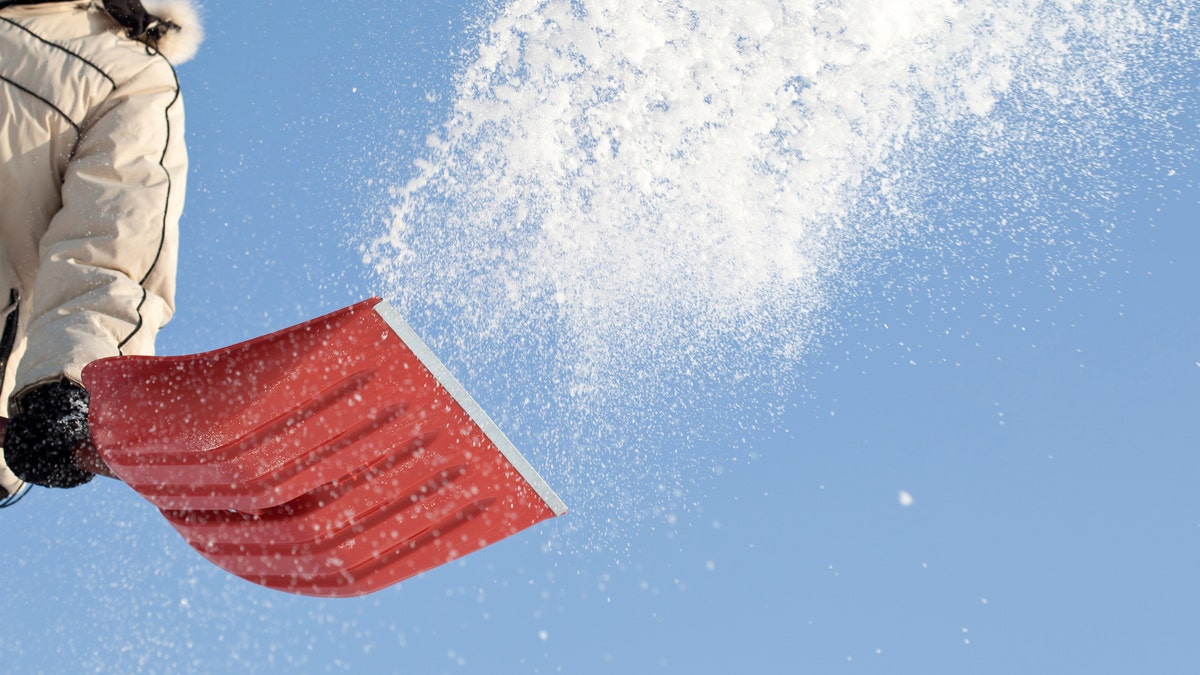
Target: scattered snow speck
[543,635]
[906,499]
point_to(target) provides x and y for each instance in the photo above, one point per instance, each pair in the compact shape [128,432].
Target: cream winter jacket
[92,177]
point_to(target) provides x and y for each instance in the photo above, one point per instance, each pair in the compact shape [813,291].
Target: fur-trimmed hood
[178,45]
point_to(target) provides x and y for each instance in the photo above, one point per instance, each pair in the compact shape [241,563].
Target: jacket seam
[162,236]
[137,328]
[48,102]
[8,340]
[63,49]
[162,163]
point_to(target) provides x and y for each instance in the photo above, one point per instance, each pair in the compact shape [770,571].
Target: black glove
[39,446]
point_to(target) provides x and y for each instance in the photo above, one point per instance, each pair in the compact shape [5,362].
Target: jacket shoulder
[86,30]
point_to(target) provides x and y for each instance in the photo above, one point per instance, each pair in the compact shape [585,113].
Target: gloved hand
[50,422]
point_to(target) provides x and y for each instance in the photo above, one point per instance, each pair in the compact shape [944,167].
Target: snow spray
[642,219]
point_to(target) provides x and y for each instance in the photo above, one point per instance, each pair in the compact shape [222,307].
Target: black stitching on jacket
[43,99]
[59,47]
[162,163]
[162,236]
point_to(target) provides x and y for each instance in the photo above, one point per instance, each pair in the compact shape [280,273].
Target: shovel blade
[333,458]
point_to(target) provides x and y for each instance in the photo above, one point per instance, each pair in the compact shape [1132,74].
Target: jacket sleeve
[106,277]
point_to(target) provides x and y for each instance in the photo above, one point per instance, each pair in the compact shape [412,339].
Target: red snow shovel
[333,458]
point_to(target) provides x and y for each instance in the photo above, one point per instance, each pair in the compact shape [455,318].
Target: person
[92,177]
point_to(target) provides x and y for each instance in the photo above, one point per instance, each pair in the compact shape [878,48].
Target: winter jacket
[92,178]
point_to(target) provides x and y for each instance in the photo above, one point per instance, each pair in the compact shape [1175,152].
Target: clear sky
[857,341]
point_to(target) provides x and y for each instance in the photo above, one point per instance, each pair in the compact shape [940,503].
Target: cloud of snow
[637,207]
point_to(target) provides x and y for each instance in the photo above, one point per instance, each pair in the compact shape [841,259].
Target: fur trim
[178,45]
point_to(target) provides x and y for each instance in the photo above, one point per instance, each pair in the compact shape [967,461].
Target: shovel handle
[88,458]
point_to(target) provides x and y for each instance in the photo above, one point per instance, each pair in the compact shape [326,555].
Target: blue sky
[1040,413]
